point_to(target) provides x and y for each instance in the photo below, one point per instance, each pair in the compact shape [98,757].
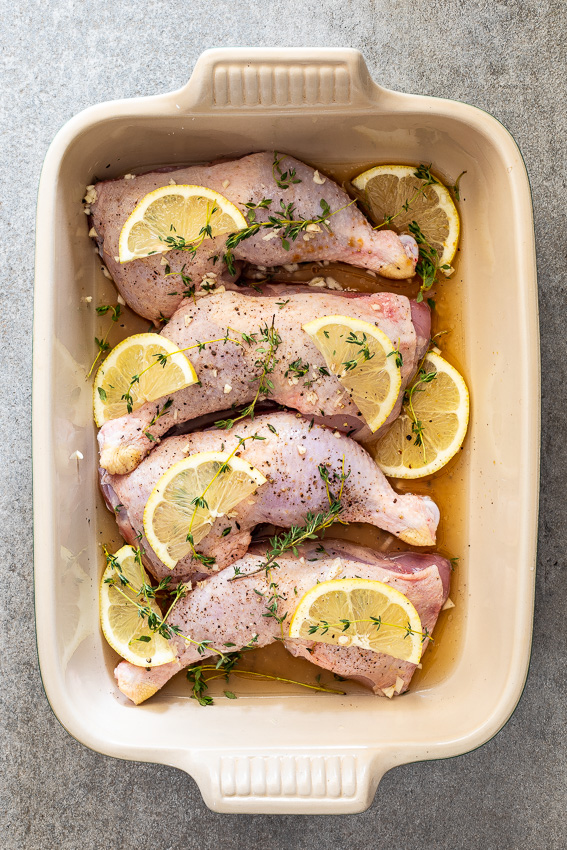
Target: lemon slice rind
[120,623]
[130,357]
[179,211]
[356,599]
[435,212]
[169,509]
[445,399]
[373,385]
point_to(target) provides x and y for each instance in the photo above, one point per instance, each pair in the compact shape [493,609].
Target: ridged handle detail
[313,777]
[282,78]
[273,85]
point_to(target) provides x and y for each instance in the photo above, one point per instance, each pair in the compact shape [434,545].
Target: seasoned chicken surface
[350,238]
[234,612]
[290,460]
[228,374]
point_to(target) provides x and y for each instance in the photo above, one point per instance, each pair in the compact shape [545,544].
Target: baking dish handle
[279,78]
[294,782]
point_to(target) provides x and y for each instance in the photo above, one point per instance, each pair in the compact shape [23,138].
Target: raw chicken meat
[227,371]
[289,459]
[232,612]
[351,239]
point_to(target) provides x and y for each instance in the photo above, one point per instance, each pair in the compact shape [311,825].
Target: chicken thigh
[289,456]
[347,238]
[233,612]
[228,375]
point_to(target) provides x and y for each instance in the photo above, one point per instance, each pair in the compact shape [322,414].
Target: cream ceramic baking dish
[292,753]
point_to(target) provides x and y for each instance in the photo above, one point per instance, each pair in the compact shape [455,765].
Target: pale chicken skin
[349,238]
[227,371]
[290,460]
[222,610]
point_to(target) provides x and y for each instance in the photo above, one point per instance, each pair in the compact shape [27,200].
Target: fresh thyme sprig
[284,179]
[297,369]
[189,291]
[200,681]
[159,413]
[269,340]
[363,354]
[285,222]
[417,426]
[428,263]
[155,622]
[175,242]
[323,626]
[292,538]
[200,502]
[422,172]
[102,343]
[397,354]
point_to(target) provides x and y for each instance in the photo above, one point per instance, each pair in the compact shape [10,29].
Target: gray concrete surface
[59,56]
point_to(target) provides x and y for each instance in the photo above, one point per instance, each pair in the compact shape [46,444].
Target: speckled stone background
[59,56]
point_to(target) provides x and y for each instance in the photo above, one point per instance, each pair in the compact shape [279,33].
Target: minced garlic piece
[227,389]
[301,450]
[90,195]
[332,283]
[318,178]
[448,604]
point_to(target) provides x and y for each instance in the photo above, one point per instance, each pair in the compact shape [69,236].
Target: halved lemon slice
[363,359]
[126,632]
[389,188]
[173,217]
[161,368]
[360,612]
[432,425]
[190,496]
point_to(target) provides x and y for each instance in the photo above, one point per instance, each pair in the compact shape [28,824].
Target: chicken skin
[289,456]
[348,237]
[232,611]
[228,375]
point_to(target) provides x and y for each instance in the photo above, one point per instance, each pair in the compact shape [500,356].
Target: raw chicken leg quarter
[348,237]
[290,457]
[224,612]
[300,378]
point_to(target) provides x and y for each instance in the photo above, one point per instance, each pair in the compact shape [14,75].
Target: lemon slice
[174,217]
[388,187]
[172,512]
[441,406]
[359,612]
[363,359]
[139,355]
[119,617]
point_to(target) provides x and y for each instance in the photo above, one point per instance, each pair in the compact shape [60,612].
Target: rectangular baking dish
[292,753]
